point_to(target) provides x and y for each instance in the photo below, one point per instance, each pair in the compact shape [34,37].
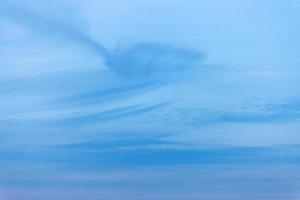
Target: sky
[149,100]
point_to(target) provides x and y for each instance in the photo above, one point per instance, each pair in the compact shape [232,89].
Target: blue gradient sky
[149,100]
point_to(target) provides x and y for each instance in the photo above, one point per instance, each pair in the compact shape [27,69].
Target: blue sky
[139,99]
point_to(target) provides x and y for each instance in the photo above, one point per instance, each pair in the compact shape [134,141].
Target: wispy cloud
[89,88]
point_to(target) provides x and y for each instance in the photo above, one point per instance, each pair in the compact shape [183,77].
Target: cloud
[39,23]
[44,44]
[152,62]
[272,112]
[151,152]
[100,117]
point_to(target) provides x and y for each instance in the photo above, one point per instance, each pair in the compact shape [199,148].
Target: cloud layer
[134,100]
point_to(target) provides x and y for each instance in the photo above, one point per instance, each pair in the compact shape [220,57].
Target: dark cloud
[152,61]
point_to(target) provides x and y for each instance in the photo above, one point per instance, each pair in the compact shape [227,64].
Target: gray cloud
[152,61]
